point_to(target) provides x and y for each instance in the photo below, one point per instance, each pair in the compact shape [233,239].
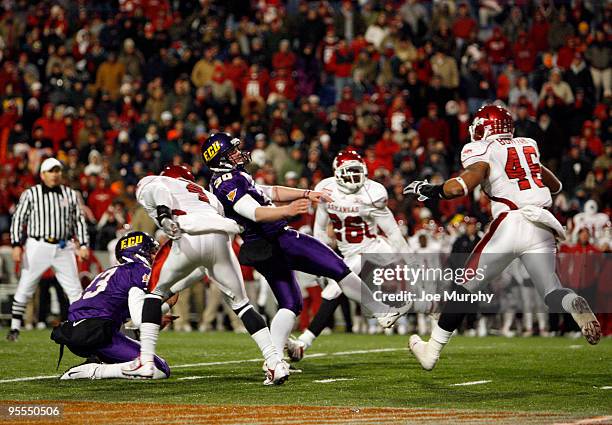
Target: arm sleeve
[267,190]
[136,297]
[320,225]
[81,223]
[246,207]
[22,212]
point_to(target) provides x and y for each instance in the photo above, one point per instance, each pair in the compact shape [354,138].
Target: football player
[595,221]
[357,211]
[520,188]
[270,246]
[94,320]
[193,220]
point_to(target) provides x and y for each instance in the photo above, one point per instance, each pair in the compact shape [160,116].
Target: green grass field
[526,374]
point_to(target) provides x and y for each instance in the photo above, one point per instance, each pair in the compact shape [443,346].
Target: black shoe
[13,335]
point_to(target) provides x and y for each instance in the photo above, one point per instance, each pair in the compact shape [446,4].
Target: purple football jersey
[232,186]
[106,297]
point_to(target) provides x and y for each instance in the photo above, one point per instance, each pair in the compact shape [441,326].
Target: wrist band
[557,191]
[307,193]
[463,185]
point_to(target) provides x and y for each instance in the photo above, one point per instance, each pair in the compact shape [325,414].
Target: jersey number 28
[515,170]
[355,229]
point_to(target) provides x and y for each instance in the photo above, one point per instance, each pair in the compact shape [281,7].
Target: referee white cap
[50,163]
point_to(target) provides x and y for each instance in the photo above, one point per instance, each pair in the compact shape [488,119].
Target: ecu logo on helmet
[130,242]
[211,151]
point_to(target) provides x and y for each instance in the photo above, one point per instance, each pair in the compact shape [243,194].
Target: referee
[47,217]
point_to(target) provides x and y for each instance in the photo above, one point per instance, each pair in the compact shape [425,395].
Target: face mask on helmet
[229,159]
[491,120]
[351,176]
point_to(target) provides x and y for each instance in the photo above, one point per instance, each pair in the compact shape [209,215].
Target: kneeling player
[94,320]
[509,172]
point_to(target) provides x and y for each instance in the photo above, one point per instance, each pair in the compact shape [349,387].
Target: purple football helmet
[136,246]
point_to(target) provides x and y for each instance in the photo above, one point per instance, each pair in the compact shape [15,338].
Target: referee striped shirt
[49,213]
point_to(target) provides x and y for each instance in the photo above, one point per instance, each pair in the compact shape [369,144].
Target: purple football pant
[123,349]
[306,254]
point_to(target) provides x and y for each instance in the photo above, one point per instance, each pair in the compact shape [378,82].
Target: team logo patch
[232,195]
[211,151]
[130,242]
[145,278]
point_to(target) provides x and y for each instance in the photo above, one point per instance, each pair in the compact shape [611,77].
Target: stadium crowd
[116,90]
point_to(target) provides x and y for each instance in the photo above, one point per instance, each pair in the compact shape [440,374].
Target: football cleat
[82,371]
[278,375]
[136,369]
[13,335]
[387,320]
[295,349]
[419,347]
[589,325]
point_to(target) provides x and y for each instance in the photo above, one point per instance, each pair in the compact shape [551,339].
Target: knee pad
[553,300]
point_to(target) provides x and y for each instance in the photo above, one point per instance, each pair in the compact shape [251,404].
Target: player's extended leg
[307,254]
[115,356]
[491,256]
[329,303]
[36,259]
[224,268]
[540,263]
[171,264]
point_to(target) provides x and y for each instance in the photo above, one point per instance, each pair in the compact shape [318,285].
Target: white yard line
[29,378]
[607,387]
[226,362]
[191,378]
[462,384]
[589,421]
[327,381]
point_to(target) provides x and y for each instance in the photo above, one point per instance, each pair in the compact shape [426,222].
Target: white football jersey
[596,223]
[356,218]
[514,179]
[181,196]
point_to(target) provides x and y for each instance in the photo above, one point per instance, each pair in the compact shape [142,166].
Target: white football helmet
[350,171]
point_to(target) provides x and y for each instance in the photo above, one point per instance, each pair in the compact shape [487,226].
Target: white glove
[171,228]
[415,187]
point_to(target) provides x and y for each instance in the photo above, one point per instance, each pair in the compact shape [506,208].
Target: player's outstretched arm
[456,187]
[251,209]
[288,194]
[551,181]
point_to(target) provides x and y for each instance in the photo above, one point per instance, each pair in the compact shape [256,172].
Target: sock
[280,328]
[18,311]
[253,322]
[263,338]
[149,328]
[439,338]
[321,319]
[307,338]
